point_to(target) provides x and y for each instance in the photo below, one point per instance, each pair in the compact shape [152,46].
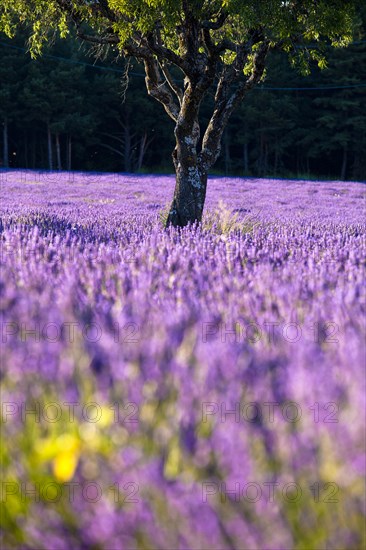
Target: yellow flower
[64,465]
[66,460]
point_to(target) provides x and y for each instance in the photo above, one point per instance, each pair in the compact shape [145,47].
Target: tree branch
[166,54]
[224,106]
[109,39]
[234,71]
[112,149]
[157,89]
[103,8]
[227,44]
[117,138]
[173,85]
[216,25]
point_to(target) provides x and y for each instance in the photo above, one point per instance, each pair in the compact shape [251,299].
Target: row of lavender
[174,390]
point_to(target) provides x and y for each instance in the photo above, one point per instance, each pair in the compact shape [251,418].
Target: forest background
[70,111]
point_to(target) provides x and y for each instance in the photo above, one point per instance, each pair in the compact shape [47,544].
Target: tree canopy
[230,31]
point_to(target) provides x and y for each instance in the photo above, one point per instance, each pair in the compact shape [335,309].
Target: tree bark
[189,194]
[191,173]
[69,153]
[26,155]
[5,143]
[58,152]
[49,142]
[144,144]
[191,177]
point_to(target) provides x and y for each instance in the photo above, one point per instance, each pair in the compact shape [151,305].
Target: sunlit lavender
[182,389]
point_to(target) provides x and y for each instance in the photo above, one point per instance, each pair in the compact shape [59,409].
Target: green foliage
[283,22]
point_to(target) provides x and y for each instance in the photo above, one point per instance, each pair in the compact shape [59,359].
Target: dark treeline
[60,112]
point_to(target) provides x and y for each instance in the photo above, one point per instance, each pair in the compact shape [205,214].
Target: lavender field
[195,389]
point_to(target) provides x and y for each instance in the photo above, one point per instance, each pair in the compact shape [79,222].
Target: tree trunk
[26,153]
[5,143]
[191,178]
[49,142]
[344,163]
[189,195]
[69,153]
[191,170]
[144,144]
[58,152]
[33,150]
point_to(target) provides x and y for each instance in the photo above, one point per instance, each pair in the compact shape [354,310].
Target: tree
[342,117]
[214,43]
[128,123]
[10,71]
